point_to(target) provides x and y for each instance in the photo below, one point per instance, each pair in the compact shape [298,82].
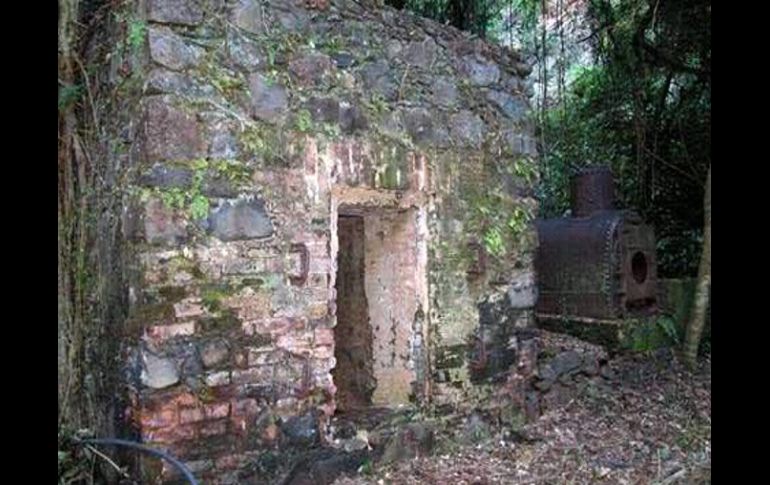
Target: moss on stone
[172,294]
[265,143]
[451,357]
[212,298]
[227,320]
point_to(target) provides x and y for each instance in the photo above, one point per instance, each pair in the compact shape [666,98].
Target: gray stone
[421,54]
[523,292]
[247,15]
[158,372]
[590,364]
[532,406]
[310,69]
[467,128]
[224,145]
[523,69]
[343,60]
[163,81]
[607,373]
[513,84]
[392,124]
[566,362]
[546,377]
[215,185]
[182,12]
[171,51]
[529,89]
[441,137]
[293,19]
[528,350]
[220,131]
[513,107]
[352,119]
[444,92]
[269,100]
[163,225]
[191,367]
[517,143]
[244,52]
[378,78]
[214,353]
[241,219]
[324,109]
[393,48]
[166,177]
[171,133]
[301,430]
[419,124]
[480,72]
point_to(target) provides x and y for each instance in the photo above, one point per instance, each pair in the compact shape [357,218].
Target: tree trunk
[703,286]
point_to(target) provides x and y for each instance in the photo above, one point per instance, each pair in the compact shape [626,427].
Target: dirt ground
[650,423]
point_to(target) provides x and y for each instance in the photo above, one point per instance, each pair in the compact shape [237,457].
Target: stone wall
[261,122]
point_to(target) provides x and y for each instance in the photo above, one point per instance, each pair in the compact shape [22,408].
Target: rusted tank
[599,263]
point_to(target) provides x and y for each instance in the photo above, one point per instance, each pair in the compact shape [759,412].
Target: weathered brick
[323,352]
[248,407]
[159,333]
[159,419]
[190,415]
[217,410]
[323,336]
[213,428]
[261,356]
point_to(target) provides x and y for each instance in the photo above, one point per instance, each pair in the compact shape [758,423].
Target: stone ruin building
[329,209]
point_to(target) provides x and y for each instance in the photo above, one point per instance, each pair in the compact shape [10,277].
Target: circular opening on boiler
[639,267]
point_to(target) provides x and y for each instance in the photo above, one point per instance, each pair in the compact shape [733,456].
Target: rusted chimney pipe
[592,190]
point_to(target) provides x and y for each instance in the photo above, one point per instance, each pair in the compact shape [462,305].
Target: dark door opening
[353,375]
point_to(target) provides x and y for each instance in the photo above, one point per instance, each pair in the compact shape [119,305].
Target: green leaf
[199,207]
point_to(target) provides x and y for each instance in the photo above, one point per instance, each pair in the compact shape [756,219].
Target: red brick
[213,428]
[217,410]
[160,333]
[158,419]
[190,415]
[324,336]
[186,399]
[248,407]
